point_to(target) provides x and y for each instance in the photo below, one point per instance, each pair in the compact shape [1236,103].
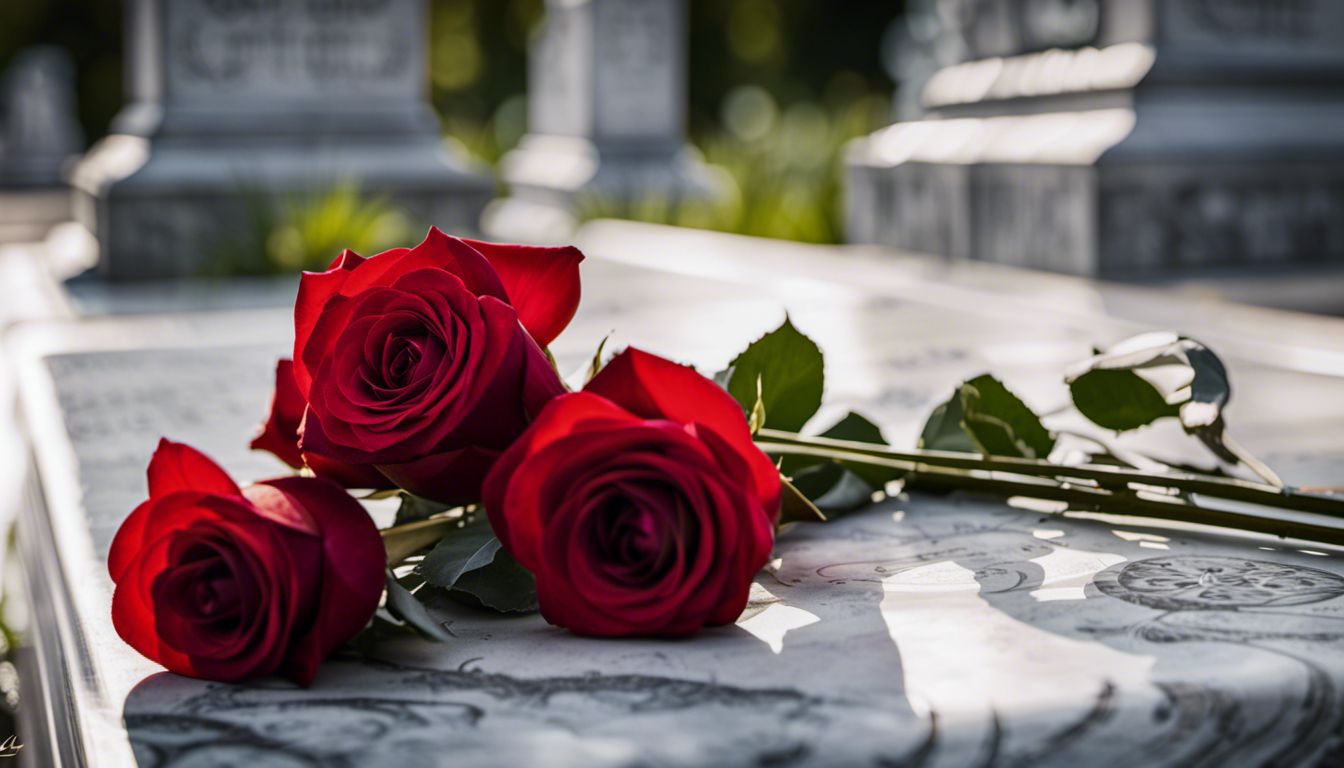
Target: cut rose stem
[1106,478]
[1325,529]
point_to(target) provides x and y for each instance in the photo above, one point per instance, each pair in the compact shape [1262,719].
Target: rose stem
[775,441]
[1127,502]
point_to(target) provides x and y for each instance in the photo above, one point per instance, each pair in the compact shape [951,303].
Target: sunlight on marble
[1138,536]
[1065,572]
[1009,661]
[772,624]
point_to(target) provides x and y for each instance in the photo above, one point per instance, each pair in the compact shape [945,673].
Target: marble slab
[940,631]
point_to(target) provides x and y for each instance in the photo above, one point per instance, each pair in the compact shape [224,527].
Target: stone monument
[39,131]
[607,118]
[1117,137]
[236,100]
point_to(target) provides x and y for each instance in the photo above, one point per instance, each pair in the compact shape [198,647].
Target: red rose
[416,360]
[280,436]
[641,504]
[224,583]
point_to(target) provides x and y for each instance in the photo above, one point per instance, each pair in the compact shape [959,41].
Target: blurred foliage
[775,89]
[784,175]
[306,231]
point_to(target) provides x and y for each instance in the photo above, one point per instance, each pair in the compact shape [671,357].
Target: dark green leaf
[1197,397]
[944,431]
[841,486]
[833,488]
[414,508]
[1000,423]
[403,605]
[857,429]
[796,507]
[1118,399]
[464,549]
[815,480]
[789,366]
[503,586]
[1210,388]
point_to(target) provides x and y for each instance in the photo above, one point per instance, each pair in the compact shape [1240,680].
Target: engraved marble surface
[925,630]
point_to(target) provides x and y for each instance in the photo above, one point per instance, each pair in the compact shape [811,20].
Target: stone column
[1114,137]
[235,99]
[607,118]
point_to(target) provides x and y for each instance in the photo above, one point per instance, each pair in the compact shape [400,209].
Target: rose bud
[280,436]
[223,583]
[427,362]
[641,504]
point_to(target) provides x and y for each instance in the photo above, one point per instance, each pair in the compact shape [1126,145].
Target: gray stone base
[171,212]
[1117,219]
[557,181]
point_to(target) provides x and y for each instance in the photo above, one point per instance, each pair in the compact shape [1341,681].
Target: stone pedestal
[235,104]
[1114,137]
[607,119]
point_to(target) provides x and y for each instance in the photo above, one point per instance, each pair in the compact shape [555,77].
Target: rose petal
[179,467]
[542,284]
[353,567]
[280,434]
[654,388]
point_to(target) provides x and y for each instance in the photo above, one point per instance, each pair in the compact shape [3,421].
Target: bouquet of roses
[643,504]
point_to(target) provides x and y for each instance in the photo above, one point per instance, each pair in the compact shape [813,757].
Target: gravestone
[1117,137]
[39,131]
[607,119]
[239,103]
[926,630]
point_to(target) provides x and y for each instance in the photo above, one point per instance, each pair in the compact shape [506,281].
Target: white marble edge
[89,728]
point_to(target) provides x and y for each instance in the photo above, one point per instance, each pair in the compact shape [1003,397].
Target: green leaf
[1000,423]
[403,604]
[464,549]
[503,586]
[1210,388]
[944,430]
[471,562]
[841,486]
[858,429]
[1197,395]
[789,366]
[1118,399]
[414,508]
[833,488]
[796,507]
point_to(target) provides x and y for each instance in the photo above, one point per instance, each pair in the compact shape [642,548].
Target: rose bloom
[641,504]
[223,583]
[428,362]
[280,436]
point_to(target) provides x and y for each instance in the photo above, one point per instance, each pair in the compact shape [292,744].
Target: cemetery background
[776,90]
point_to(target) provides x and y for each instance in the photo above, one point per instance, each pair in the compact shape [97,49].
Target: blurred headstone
[235,105]
[607,120]
[1117,137]
[39,130]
